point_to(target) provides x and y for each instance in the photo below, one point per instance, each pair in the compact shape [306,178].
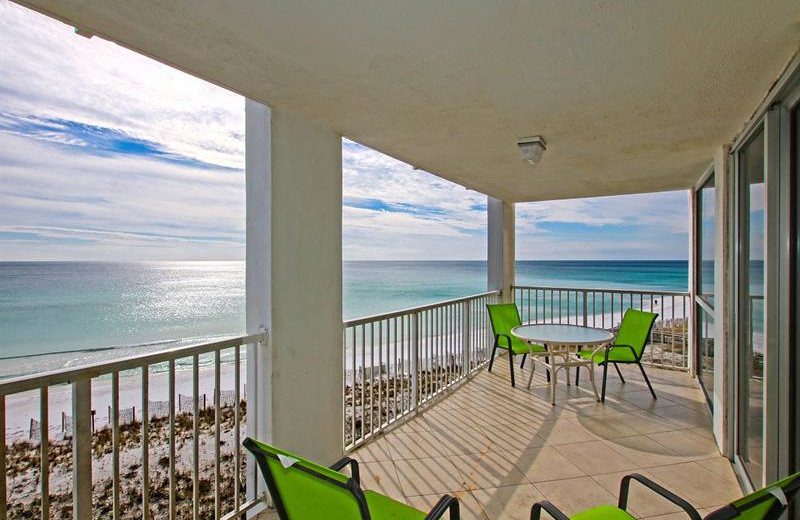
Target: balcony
[499,449]
[422,414]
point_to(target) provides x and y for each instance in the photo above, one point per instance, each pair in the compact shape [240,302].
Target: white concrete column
[294,283]
[724,304]
[501,252]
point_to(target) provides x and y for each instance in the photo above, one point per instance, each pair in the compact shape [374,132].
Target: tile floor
[499,449]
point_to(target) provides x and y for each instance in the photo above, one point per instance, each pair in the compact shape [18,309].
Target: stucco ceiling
[631,96]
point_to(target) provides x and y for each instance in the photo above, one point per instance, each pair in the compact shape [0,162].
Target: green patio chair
[303,490]
[766,504]
[504,317]
[628,347]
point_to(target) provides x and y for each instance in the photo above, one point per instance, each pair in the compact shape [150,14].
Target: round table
[562,343]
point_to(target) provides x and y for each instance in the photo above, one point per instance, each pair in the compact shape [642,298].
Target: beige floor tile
[373,450]
[645,451]
[644,399]
[595,457]
[718,465]
[575,494]
[412,424]
[508,502]
[381,477]
[414,445]
[565,431]
[464,441]
[641,501]
[588,407]
[647,422]
[545,463]
[435,475]
[269,514]
[492,469]
[452,418]
[687,443]
[607,426]
[468,507]
[700,486]
[512,437]
[685,417]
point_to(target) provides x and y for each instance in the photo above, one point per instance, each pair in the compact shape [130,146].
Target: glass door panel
[705,349]
[751,347]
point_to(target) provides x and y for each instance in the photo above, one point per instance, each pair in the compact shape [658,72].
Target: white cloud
[51,72]
[59,201]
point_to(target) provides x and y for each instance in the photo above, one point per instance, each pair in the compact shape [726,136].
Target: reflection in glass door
[751,345]
[705,245]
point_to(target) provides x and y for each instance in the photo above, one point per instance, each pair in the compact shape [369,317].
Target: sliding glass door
[751,348]
[705,245]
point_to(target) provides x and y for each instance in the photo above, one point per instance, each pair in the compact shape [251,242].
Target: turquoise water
[79,309]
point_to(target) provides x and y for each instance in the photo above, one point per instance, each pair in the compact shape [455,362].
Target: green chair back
[305,490]
[766,504]
[635,330]
[504,317]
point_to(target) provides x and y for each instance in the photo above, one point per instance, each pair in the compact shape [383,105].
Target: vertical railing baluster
[237,445]
[363,381]
[115,442]
[414,341]
[353,388]
[672,331]
[196,437]
[585,308]
[403,381]
[467,337]
[217,432]
[603,308]
[394,362]
[82,448]
[173,498]
[380,374]
[44,451]
[145,442]
[371,378]
[3,486]
[684,337]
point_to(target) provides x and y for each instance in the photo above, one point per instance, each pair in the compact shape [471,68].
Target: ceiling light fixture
[532,148]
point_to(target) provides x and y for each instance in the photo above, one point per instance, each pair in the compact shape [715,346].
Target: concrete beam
[501,246]
[294,282]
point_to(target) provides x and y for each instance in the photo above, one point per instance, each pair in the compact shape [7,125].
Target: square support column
[294,284]
[501,252]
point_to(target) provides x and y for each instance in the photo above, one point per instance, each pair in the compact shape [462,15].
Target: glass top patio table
[562,342]
[561,334]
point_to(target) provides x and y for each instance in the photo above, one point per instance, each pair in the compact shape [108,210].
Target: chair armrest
[508,339]
[552,510]
[445,504]
[347,461]
[664,492]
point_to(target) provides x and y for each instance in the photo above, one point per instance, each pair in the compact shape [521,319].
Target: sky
[108,155]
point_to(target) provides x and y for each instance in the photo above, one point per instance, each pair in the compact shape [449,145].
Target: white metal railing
[669,340]
[135,468]
[397,361]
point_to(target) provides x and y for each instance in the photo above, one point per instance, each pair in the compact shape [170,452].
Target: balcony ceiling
[630,96]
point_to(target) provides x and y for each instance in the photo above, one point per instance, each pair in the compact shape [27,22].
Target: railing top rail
[68,375]
[601,290]
[411,310]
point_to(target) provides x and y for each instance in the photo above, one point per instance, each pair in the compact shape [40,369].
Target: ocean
[56,314]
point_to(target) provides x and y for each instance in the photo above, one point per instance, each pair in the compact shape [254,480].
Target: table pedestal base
[567,361]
